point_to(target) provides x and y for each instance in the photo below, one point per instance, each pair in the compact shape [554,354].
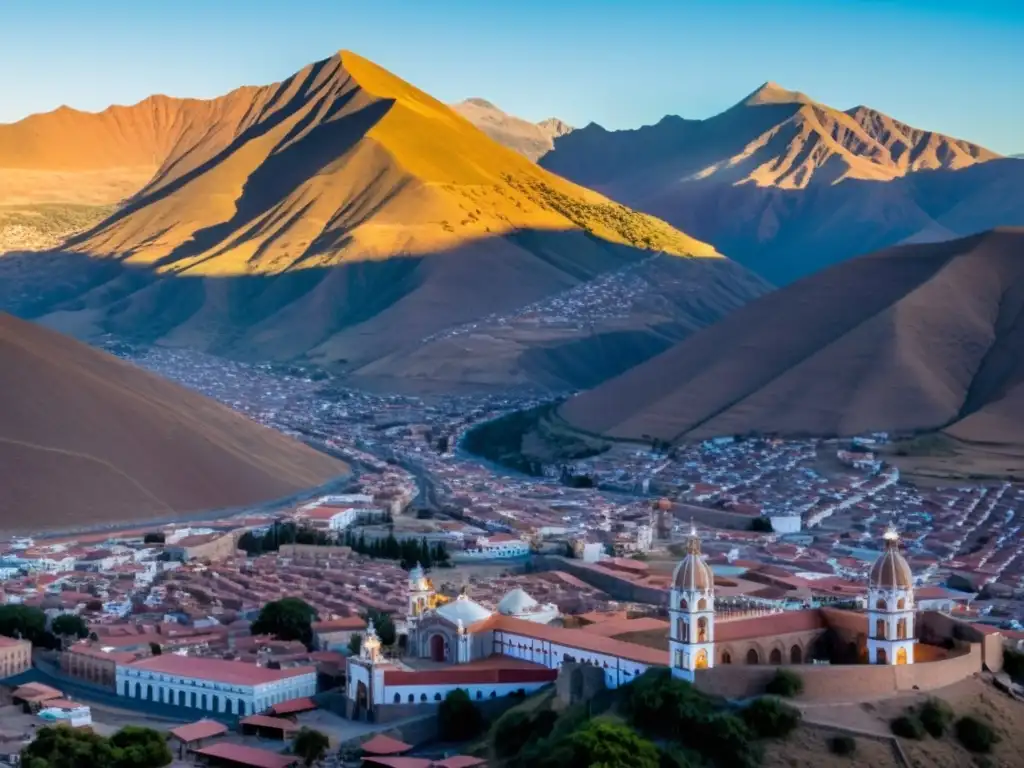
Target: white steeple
[891,606]
[692,612]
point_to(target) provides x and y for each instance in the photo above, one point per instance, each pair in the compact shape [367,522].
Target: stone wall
[618,587]
[848,682]
[933,627]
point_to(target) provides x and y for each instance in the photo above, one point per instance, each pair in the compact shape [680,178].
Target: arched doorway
[775,657]
[726,657]
[362,701]
[702,659]
[796,656]
[437,647]
[901,656]
[752,657]
[881,657]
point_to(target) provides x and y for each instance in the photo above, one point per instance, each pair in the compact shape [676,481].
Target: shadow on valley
[373,317]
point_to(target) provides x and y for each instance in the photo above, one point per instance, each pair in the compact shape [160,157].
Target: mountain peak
[773,93]
[476,101]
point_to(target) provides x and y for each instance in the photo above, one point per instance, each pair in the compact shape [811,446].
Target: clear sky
[955,67]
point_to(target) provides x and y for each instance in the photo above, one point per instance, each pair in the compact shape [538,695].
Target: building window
[398,698]
[437,697]
[411,698]
[775,657]
[423,697]
[796,656]
[880,605]
[479,694]
[702,604]
[752,657]
[880,632]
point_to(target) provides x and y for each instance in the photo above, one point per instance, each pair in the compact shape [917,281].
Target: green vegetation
[771,718]
[355,644]
[408,551]
[936,716]
[501,440]
[282,533]
[310,745]
[786,683]
[606,220]
[287,619]
[69,627]
[21,621]
[459,719]
[517,729]
[842,745]
[976,735]
[908,727]
[602,742]
[65,747]
[761,525]
[383,624]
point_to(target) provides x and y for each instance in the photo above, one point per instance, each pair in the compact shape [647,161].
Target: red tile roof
[577,638]
[384,745]
[263,721]
[399,762]
[249,756]
[201,729]
[291,706]
[235,672]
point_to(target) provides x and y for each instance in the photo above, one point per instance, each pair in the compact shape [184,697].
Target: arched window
[775,657]
[702,604]
[479,694]
[880,605]
[682,605]
[881,657]
[411,698]
[702,630]
[423,697]
[681,632]
[901,629]
[796,656]
[901,604]
[149,692]
[752,657]
[880,629]
[398,698]
[726,657]
[494,694]
[437,697]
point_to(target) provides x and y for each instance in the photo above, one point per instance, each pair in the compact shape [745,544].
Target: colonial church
[462,644]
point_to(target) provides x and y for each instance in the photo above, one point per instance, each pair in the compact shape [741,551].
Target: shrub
[935,716]
[511,732]
[907,727]
[785,683]
[842,745]
[976,735]
[771,718]
[459,719]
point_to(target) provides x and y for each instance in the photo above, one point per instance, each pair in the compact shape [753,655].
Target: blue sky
[955,67]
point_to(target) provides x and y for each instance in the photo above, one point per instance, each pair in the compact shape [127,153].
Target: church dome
[693,573]
[516,602]
[891,570]
[463,609]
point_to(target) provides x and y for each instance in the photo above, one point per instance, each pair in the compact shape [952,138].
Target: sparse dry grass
[45,225]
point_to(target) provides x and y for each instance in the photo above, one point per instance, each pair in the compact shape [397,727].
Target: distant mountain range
[86,438]
[530,139]
[914,338]
[346,218]
[786,185]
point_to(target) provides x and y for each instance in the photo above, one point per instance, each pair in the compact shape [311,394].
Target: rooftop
[235,672]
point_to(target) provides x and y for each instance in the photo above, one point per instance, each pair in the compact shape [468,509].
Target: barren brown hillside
[921,337]
[531,139]
[787,185]
[341,216]
[86,438]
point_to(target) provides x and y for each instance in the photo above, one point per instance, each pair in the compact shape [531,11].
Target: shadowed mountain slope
[86,438]
[786,185]
[340,216]
[920,337]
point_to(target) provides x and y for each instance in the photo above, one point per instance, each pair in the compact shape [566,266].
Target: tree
[384,624]
[154,537]
[459,719]
[907,727]
[761,524]
[936,715]
[355,644]
[68,626]
[22,621]
[65,747]
[287,619]
[604,743]
[310,745]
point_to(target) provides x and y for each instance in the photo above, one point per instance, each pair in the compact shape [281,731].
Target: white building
[785,523]
[498,546]
[212,685]
[519,605]
[891,606]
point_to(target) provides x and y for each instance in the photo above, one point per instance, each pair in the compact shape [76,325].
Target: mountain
[86,439]
[913,338]
[786,185]
[339,217]
[531,139]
